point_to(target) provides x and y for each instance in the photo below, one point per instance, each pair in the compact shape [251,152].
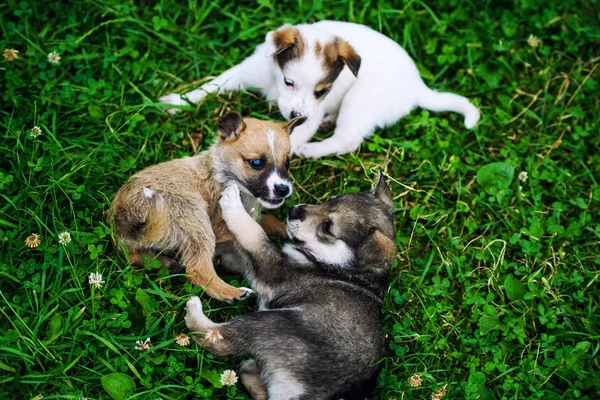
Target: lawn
[495,293]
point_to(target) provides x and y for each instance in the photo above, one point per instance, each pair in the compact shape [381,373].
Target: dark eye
[321,93]
[287,164]
[257,163]
[326,226]
[288,82]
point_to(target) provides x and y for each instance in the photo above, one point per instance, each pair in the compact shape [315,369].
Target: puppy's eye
[326,226]
[321,93]
[257,163]
[287,164]
[288,82]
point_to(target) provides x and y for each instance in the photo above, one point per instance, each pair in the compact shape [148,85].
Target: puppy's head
[307,67]
[255,154]
[347,231]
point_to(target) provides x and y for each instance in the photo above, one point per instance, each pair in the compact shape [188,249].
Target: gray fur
[319,328]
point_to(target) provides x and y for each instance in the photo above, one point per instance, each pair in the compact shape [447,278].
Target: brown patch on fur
[335,55]
[288,43]
[318,48]
[272,225]
[182,213]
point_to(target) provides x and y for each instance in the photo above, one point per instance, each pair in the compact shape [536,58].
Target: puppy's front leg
[303,133]
[251,72]
[246,230]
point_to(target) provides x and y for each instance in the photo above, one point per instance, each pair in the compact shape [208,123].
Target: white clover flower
[64,238]
[523,176]
[415,380]
[54,57]
[229,378]
[143,345]
[96,279]
[533,41]
[36,132]
[182,339]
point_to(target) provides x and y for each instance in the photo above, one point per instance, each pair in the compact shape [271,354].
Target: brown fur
[289,44]
[183,215]
[335,54]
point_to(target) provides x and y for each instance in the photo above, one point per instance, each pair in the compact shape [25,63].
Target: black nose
[295,114]
[297,212]
[282,189]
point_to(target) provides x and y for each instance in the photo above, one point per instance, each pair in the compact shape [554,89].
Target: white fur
[271,140]
[336,253]
[247,231]
[291,251]
[275,179]
[387,88]
[282,386]
[148,193]
[195,320]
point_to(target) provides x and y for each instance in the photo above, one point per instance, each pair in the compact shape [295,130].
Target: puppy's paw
[309,150]
[175,99]
[472,117]
[193,310]
[230,201]
[246,293]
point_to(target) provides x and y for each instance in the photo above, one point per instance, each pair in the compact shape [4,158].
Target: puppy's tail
[143,219]
[444,101]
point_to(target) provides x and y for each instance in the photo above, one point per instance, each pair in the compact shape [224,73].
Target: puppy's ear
[349,56]
[230,125]
[293,123]
[383,192]
[377,250]
[285,44]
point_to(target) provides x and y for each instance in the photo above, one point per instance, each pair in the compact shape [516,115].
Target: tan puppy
[171,211]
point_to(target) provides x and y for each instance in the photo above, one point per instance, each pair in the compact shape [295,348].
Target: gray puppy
[318,332]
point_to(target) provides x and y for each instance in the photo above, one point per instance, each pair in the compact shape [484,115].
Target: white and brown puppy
[171,210]
[318,333]
[336,74]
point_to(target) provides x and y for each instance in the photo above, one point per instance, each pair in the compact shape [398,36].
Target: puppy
[336,74]
[318,332]
[171,211]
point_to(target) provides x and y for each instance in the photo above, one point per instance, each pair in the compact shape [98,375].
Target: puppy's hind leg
[197,250]
[251,379]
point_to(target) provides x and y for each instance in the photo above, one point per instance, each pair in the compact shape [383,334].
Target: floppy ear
[285,44]
[349,56]
[230,125]
[377,249]
[382,191]
[293,123]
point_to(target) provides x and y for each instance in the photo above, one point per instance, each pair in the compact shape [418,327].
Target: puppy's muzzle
[297,212]
[281,190]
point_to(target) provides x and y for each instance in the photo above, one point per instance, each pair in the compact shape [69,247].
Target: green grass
[495,292]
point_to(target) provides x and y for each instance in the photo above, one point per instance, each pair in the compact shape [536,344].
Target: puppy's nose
[297,212]
[282,189]
[295,114]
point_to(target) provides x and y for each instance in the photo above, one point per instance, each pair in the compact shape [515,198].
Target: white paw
[230,200]
[175,99]
[471,118]
[193,309]
[247,293]
[310,150]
